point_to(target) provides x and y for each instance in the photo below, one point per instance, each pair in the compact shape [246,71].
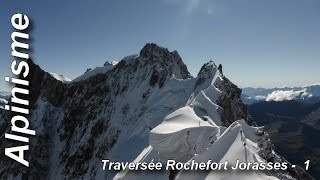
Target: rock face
[109,114]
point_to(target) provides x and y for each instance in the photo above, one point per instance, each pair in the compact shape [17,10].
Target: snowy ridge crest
[197,132]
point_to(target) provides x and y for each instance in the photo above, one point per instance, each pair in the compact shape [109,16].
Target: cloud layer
[281,95]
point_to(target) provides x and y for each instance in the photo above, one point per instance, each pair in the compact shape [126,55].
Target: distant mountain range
[293,127]
[307,95]
[291,115]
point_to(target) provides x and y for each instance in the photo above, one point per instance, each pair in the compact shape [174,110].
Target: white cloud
[281,95]
[259,98]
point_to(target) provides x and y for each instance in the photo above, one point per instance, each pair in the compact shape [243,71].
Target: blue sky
[261,43]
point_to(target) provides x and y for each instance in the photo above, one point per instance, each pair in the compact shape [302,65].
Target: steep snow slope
[197,132]
[185,127]
[238,142]
[102,70]
[61,78]
[98,70]
[115,113]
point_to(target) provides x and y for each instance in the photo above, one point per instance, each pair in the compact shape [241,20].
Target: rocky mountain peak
[207,73]
[152,53]
[107,63]
[208,69]
[152,49]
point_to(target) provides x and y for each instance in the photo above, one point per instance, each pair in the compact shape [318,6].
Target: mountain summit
[144,107]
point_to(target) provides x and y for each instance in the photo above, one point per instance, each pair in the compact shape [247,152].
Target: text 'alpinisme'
[19,103]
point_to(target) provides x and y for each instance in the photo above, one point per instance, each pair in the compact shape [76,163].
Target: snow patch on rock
[61,78]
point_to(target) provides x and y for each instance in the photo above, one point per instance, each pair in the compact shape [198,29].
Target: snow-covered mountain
[98,70]
[61,78]
[4,96]
[308,94]
[145,107]
[292,138]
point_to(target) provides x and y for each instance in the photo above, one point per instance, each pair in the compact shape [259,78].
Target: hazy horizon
[259,43]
